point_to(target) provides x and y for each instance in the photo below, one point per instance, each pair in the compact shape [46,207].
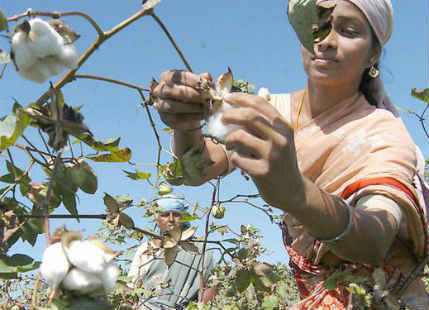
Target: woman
[333,157]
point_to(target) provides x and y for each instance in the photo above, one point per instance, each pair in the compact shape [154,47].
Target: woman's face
[346,52]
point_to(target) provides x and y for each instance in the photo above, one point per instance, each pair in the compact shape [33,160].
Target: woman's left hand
[264,148]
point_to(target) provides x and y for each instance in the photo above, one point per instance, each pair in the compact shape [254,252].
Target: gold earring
[373,72]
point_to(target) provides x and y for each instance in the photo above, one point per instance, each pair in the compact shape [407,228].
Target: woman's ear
[376,56]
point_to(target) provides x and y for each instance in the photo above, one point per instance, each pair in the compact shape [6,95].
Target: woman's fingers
[185,78]
[246,144]
[252,101]
[257,124]
[178,92]
[177,107]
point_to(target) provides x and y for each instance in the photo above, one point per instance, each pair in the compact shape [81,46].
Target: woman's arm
[181,104]
[265,150]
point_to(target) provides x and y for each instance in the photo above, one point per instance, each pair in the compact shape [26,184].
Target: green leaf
[270,302]
[3,21]
[332,282]
[110,145]
[69,201]
[17,263]
[138,175]
[310,21]
[122,155]
[421,94]
[11,128]
[243,280]
[84,177]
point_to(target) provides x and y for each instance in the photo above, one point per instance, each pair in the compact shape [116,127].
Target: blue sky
[254,38]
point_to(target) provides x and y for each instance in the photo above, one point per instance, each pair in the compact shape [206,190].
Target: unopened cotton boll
[39,52]
[54,265]
[82,281]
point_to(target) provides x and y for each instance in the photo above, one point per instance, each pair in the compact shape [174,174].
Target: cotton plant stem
[68,77]
[157,137]
[66,216]
[161,24]
[12,186]
[58,15]
[35,291]
[48,197]
[110,80]
[206,235]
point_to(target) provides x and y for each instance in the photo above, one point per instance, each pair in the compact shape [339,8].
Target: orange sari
[353,150]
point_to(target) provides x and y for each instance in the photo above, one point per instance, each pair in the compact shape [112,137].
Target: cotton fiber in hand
[39,51]
[215,126]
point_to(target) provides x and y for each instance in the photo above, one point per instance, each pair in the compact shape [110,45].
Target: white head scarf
[379,14]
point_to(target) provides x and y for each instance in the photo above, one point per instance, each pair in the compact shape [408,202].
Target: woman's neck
[321,98]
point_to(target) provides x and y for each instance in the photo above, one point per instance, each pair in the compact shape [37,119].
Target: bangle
[346,230]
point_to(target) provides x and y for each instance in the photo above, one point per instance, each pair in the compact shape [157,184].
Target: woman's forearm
[326,216]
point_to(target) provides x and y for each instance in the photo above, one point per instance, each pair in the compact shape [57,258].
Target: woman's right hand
[180,99]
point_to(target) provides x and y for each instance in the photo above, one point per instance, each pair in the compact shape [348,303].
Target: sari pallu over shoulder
[354,150]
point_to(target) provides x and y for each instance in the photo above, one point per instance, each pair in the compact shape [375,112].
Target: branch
[160,23]
[66,216]
[58,15]
[206,234]
[105,79]
[68,77]
[48,197]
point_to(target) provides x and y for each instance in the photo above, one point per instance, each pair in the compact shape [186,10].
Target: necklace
[300,104]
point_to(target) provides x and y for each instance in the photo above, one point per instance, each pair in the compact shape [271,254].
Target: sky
[253,38]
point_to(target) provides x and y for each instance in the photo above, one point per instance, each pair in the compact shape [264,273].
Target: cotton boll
[43,39]
[264,93]
[215,126]
[39,51]
[69,56]
[82,282]
[109,276]
[86,256]
[54,265]
[22,55]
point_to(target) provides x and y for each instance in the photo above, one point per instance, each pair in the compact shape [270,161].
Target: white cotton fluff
[42,52]
[216,127]
[82,281]
[264,93]
[109,276]
[54,265]
[87,256]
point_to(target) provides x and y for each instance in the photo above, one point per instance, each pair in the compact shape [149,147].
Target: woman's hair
[369,85]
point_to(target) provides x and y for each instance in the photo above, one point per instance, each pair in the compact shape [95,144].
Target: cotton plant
[84,267]
[172,239]
[216,128]
[41,49]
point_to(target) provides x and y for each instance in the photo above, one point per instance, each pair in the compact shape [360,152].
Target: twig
[105,79]
[68,77]
[58,15]
[422,119]
[3,70]
[158,140]
[66,216]
[12,186]
[48,197]
[35,291]
[206,234]
[160,23]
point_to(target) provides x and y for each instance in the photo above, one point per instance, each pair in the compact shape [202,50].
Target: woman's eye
[349,31]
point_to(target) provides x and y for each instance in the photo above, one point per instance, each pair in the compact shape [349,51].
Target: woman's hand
[180,100]
[264,148]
